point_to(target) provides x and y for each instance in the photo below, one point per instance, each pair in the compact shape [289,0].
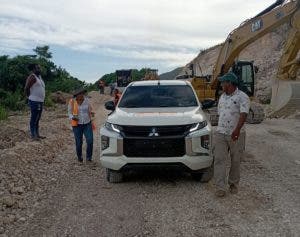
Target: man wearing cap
[80,114]
[233,108]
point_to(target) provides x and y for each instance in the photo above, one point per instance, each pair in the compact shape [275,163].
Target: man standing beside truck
[233,108]
[81,114]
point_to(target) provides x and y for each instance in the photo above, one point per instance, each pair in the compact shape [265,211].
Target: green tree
[14,71]
[137,75]
[43,51]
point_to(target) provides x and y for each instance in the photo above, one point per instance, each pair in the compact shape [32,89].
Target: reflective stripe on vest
[74,108]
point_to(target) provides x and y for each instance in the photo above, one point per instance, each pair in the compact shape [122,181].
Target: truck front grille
[163,131]
[158,147]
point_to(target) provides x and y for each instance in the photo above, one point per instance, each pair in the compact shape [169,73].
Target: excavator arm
[252,30]
[289,63]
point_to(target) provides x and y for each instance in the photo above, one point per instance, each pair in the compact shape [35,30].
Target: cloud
[167,31]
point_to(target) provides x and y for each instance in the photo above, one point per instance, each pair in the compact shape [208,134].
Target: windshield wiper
[166,106]
[130,106]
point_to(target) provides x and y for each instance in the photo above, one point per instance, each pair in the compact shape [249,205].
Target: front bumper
[195,158]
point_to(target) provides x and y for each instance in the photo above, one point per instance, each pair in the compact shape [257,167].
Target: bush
[48,101]
[3,113]
[12,101]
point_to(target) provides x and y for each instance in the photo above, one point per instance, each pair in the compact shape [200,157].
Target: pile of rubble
[29,168]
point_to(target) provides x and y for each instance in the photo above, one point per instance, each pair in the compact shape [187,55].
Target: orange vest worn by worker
[74,107]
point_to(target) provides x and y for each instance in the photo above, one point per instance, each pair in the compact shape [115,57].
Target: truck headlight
[112,127]
[104,142]
[198,126]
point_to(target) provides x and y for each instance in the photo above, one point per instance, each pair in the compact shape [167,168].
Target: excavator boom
[250,31]
[277,14]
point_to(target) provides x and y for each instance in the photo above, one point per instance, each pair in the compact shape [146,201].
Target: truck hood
[156,116]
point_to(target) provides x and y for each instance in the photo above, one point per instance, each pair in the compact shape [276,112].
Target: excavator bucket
[285,98]
[286,89]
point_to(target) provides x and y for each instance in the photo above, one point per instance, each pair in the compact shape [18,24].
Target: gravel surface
[45,192]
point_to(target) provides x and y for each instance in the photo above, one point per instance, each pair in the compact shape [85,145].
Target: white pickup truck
[156,123]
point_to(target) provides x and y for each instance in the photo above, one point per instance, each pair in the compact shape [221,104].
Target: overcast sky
[93,37]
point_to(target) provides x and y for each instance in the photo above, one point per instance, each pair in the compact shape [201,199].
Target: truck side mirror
[110,105]
[206,104]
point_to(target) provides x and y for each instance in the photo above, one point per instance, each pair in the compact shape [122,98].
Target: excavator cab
[245,72]
[151,74]
[124,77]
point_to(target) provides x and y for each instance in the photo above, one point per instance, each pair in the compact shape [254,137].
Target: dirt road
[67,199]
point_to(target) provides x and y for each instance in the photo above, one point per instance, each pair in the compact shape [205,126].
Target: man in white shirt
[233,108]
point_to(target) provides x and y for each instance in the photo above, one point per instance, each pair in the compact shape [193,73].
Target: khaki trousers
[224,145]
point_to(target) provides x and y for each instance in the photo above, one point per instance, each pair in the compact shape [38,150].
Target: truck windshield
[158,96]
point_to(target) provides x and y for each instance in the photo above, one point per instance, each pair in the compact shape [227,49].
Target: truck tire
[203,176]
[207,175]
[114,176]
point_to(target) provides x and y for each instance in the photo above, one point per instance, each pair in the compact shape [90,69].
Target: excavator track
[213,116]
[256,114]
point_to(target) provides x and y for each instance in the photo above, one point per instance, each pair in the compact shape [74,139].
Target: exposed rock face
[204,62]
[265,52]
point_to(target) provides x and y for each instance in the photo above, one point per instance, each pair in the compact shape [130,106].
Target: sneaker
[233,189]
[220,193]
[41,137]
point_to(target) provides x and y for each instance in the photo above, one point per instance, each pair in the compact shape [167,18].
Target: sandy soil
[44,192]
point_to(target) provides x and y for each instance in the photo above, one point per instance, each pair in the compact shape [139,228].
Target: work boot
[233,189]
[35,138]
[220,193]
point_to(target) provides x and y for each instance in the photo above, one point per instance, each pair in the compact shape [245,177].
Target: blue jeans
[36,113]
[87,131]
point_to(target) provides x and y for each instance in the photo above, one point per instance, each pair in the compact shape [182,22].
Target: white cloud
[161,30]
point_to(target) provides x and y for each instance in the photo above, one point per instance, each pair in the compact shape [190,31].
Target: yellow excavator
[151,74]
[285,89]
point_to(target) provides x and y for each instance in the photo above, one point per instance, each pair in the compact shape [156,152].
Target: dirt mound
[60,97]
[11,135]
[28,168]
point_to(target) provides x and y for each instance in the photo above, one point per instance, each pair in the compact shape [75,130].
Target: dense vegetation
[14,71]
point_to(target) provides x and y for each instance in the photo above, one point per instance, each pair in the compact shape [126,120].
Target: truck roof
[156,82]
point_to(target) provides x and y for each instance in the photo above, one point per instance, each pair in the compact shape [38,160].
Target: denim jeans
[36,113]
[87,131]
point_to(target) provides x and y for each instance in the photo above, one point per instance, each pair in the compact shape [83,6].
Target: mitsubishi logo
[153,133]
